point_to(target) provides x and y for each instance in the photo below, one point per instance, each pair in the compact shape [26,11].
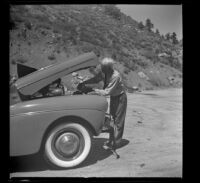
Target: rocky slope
[41,35]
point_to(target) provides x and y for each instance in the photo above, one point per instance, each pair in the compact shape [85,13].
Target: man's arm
[94,80]
[110,88]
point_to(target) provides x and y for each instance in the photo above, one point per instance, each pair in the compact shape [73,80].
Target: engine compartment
[57,89]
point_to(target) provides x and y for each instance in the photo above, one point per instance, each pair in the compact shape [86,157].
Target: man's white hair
[108,62]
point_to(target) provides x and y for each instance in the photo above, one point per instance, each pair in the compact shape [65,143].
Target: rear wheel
[67,145]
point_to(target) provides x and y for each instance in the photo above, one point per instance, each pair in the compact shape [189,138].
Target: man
[114,88]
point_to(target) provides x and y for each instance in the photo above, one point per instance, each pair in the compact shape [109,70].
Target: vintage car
[58,125]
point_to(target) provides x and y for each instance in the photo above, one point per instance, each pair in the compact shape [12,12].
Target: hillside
[41,35]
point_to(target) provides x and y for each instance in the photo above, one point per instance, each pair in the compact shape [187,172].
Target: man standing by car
[113,87]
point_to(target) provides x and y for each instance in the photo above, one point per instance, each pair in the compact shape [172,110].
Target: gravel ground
[152,144]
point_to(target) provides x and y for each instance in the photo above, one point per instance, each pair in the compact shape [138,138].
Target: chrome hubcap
[67,144]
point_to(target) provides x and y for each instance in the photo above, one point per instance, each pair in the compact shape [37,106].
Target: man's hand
[93,93]
[99,92]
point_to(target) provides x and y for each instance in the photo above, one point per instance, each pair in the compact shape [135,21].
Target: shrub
[164,61]
[132,65]
[148,54]
[24,33]
[126,70]
[161,65]
[43,32]
[21,60]
[51,57]
[143,63]
[12,25]
[145,44]
[140,25]
[112,11]
[55,31]
[149,24]
[155,81]
[167,44]
[44,26]
[68,27]
[17,18]
[174,38]
[87,48]
[28,25]
[88,37]
[41,18]
[149,88]
[157,51]
[157,32]
[176,64]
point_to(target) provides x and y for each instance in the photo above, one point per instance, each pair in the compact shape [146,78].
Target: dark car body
[31,120]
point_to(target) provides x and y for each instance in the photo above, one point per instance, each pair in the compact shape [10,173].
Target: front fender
[27,129]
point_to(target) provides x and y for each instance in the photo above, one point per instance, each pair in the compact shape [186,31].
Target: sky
[166,18]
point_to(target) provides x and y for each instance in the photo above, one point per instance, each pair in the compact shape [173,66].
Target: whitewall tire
[67,145]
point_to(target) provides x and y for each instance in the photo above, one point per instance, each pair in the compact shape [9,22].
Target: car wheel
[67,145]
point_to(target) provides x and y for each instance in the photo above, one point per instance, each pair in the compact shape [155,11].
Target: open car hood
[35,81]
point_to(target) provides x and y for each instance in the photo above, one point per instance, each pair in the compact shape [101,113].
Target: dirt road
[152,145]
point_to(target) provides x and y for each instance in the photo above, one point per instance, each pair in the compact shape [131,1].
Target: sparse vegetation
[141,26]
[12,25]
[156,81]
[78,29]
[168,36]
[21,60]
[149,24]
[143,63]
[149,54]
[43,26]
[126,70]
[157,32]
[112,11]
[43,32]
[28,25]
[51,57]
[175,63]
[174,39]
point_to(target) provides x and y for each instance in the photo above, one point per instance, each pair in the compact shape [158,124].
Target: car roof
[33,82]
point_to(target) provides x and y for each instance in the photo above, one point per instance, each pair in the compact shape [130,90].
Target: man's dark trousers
[118,105]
